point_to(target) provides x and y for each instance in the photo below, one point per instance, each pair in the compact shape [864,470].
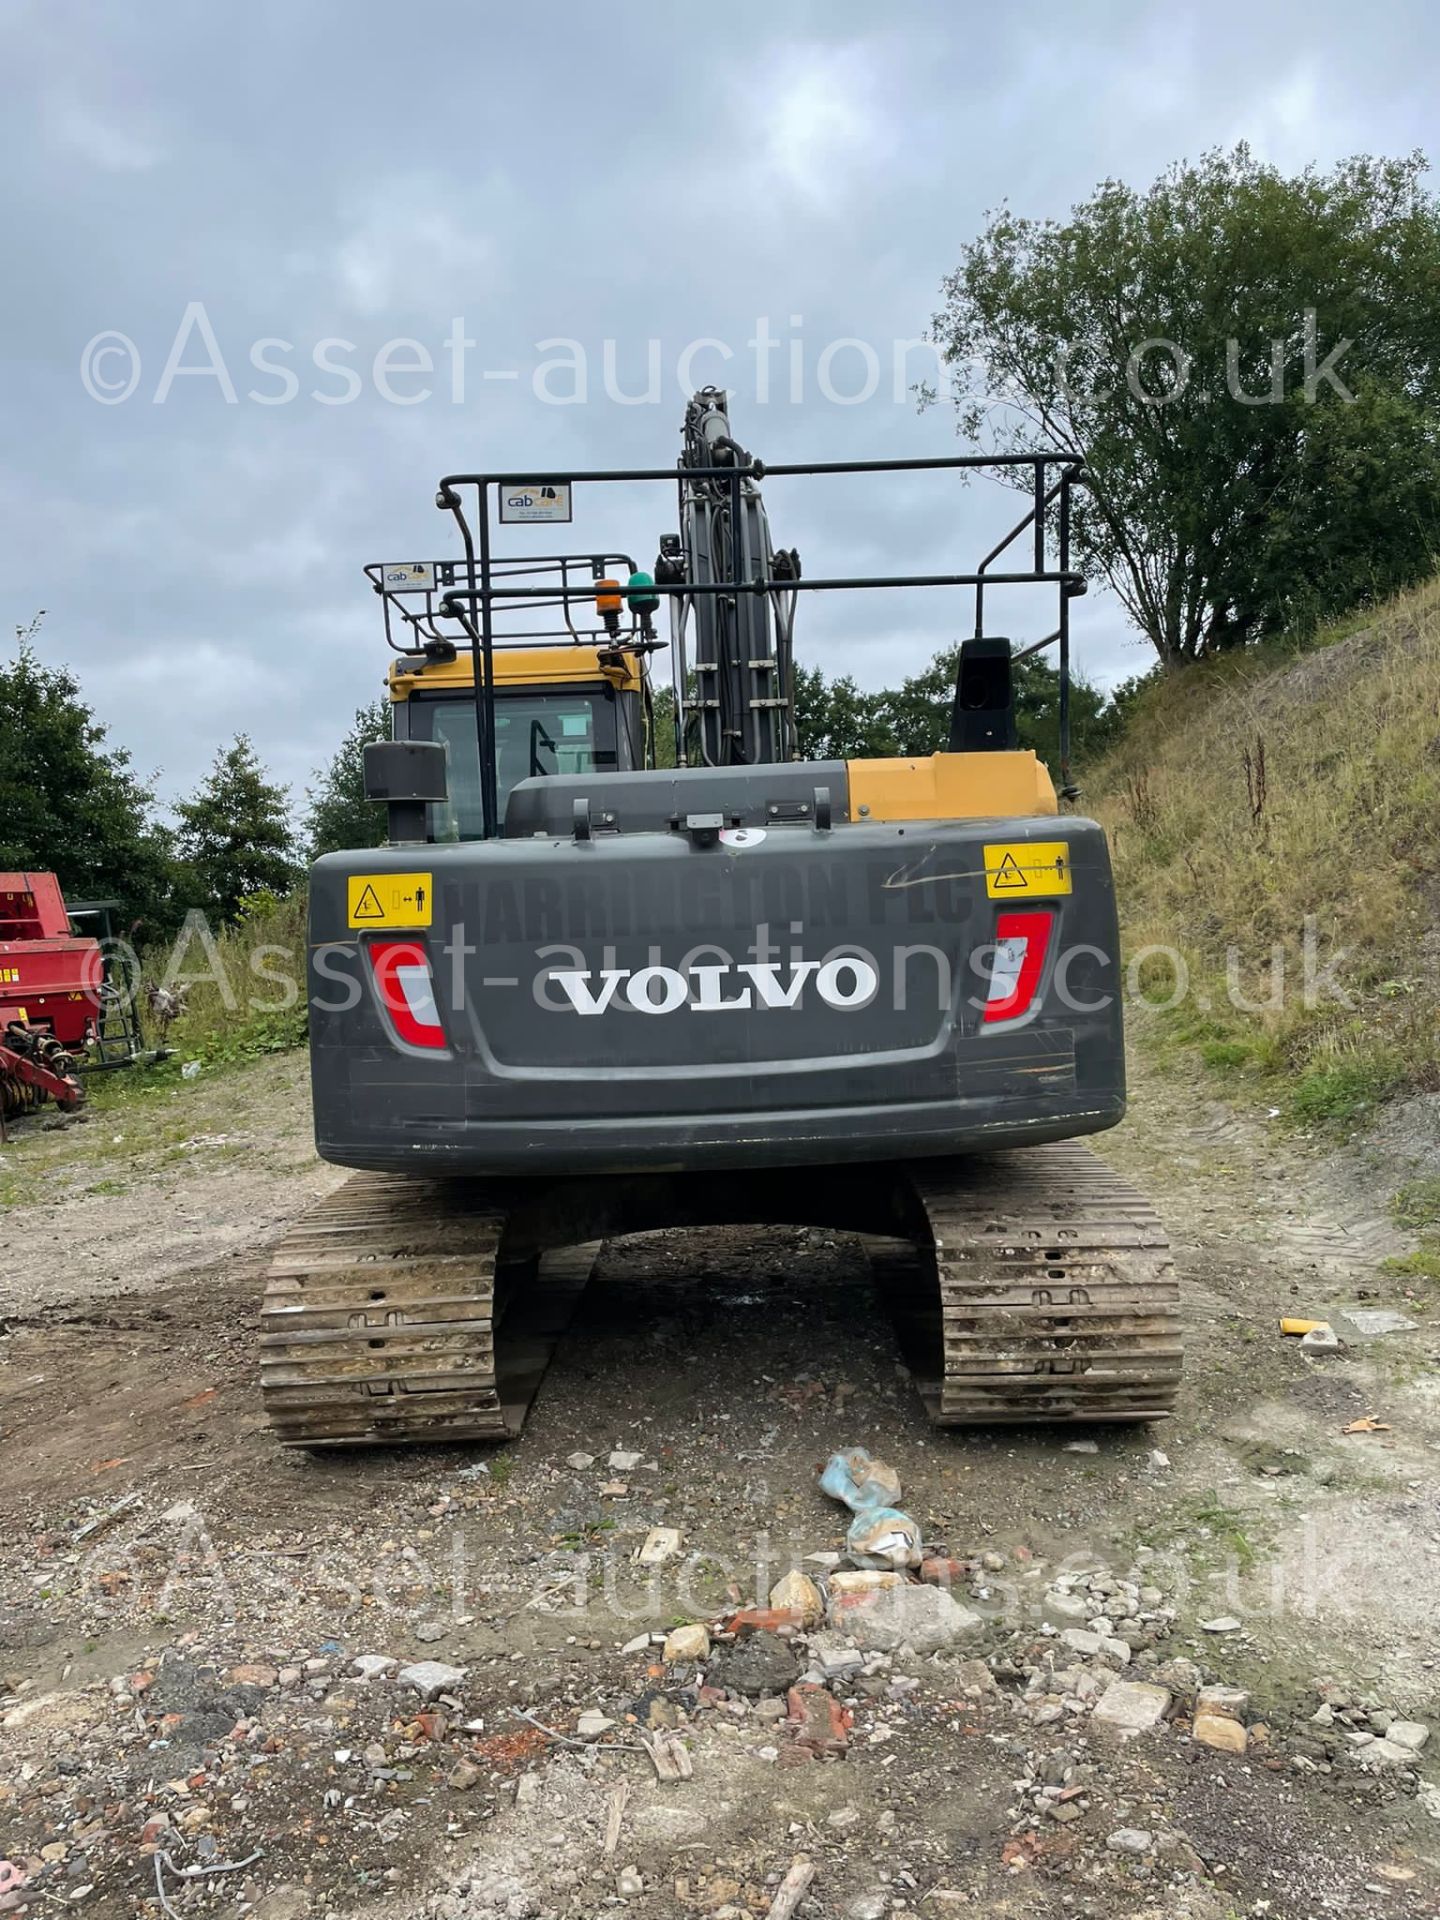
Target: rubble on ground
[1072,1675]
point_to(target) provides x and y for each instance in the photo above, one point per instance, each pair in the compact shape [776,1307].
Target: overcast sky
[507,175]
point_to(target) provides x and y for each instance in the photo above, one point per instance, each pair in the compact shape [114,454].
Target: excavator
[580,993]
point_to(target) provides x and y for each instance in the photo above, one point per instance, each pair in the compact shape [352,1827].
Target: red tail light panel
[1022,941]
[407,991]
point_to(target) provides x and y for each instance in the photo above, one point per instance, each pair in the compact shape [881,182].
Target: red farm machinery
[52,995]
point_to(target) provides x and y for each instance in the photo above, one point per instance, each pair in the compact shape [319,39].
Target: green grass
[1417,1204]
[1422,1264]
[1335,1097]
[235,1011]
[1275,885]
[1331,1094]
[1227,1053]
[1217,1525]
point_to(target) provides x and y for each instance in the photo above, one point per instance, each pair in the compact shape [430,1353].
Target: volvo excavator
[580,993]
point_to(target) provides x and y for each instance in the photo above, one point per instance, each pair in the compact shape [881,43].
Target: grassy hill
[1279,801]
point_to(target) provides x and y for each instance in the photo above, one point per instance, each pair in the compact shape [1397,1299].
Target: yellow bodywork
[952,786]
[519,667]
[946,786]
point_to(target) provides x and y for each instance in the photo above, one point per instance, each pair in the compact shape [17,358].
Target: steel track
[1040,1288]
[1033,1286]
[392,1315]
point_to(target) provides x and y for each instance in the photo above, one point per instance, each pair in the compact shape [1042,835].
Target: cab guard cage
[468,591]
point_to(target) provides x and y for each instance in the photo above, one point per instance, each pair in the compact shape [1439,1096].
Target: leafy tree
[339,815]
[918,712]
[69,802]
[235,837]
[662,713]
[837,721]
[1249,365]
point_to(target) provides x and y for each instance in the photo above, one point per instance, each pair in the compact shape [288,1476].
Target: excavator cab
[570,697]
[556,712]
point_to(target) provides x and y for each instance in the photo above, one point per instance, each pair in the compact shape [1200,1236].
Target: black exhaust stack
[407,775]
[982,719]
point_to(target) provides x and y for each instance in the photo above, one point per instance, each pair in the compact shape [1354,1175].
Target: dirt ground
[181,1602]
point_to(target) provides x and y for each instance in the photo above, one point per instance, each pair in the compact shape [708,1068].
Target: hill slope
[1280,805]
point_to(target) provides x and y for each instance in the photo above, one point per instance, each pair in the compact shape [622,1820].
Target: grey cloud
[629,171]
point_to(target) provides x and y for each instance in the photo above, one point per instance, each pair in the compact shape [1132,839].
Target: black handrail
[484,587]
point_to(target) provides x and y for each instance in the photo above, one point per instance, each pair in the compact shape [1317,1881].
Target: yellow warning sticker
[1025,869]
[390,899]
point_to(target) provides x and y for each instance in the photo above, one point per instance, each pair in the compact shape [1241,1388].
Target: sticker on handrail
[537,501]
[408,576]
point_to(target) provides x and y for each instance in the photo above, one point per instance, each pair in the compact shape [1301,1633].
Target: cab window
[537,732]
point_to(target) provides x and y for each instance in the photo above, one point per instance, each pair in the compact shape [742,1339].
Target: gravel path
[181,1604]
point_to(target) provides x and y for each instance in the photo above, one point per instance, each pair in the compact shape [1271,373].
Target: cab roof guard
[413,594]
[485,581]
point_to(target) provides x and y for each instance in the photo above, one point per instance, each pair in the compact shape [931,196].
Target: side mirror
[407,775]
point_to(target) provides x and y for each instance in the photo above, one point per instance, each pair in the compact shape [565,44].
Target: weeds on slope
[244,988]
[245,984]
[1417,1206]
[1271,816]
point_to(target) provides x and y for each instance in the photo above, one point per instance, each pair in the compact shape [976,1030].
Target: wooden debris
[669,1754]
[103,1520]
[618,1802]
[792,1888]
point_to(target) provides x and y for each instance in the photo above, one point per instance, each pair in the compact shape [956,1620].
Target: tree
[339,815]
[70,802]
[838,722]
[918,712]
[1249,366]
[235,836]
[662,718]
